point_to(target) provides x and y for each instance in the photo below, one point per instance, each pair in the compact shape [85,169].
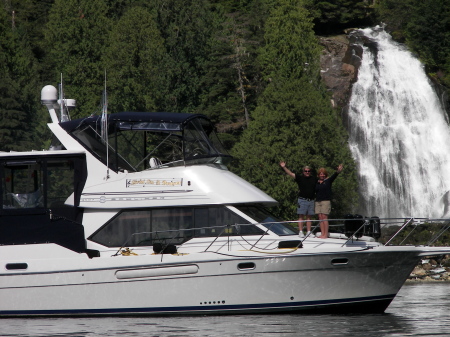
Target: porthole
[339,261]
[16,266]
[246,266]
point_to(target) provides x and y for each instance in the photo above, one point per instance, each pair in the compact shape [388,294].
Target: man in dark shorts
[306,185]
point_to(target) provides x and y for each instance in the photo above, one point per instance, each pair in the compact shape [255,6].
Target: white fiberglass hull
[208,283]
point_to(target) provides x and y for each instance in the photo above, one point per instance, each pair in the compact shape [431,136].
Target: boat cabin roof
[145,121]
[138,141]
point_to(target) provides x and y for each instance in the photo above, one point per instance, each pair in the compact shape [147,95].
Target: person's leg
[302,210]
[301,220]
[325,226]
[309,214]
[308,223]
[325,212]
[322,228]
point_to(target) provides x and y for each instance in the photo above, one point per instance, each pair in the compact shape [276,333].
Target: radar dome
[49,94]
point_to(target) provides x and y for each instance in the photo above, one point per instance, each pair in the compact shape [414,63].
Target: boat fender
[374,229]
[352,223]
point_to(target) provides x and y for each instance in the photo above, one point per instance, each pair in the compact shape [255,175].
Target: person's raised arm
[289,172]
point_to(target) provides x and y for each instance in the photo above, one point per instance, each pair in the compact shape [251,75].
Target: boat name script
[144,182]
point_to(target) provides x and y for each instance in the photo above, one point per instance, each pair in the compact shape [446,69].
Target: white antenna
[104,127]
[63,107]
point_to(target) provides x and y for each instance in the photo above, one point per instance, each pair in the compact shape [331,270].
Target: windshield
[136,145]
[268,220]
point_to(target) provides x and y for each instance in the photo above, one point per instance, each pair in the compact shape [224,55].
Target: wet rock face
[340,61]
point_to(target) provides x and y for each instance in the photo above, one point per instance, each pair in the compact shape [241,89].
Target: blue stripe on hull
[373,304]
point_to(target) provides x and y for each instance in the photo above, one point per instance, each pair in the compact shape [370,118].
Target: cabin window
[54,183]
[171,225]
[60,182]
[22,185]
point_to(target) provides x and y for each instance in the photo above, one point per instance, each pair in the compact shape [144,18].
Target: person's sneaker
[301,235]
[310,235]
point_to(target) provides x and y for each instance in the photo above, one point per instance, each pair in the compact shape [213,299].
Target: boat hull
[345,282]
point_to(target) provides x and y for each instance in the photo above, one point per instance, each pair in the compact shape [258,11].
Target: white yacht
[137,214]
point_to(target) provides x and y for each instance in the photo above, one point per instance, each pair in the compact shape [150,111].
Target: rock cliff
[340,60]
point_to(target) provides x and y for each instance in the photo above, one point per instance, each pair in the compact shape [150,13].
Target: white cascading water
[399,134]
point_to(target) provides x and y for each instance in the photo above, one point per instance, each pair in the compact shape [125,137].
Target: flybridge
[138,141]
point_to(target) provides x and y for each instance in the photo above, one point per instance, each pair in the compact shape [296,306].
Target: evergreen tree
[30,16]
[75,37]
[428,34]
[187,27]
[18,87]
[291,49]
[333,16]
[134,59]
[425,28]
[294,121]
[233,79]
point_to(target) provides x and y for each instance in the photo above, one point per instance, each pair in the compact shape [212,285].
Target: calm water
[418,310]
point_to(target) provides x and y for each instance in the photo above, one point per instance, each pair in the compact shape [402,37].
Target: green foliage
[425,27]
[294,123]
[76,37]
[233,80]
[291,47]
[241,62]
[17,97]
[395,14]
[187,27]
[335,15]
[428,33]
[134,61]
[422,234]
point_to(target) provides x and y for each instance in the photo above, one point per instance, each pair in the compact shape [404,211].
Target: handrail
[171,235]
[401,229]
[439,234]
[354,234]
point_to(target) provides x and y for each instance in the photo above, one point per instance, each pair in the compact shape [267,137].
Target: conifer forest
[251,66]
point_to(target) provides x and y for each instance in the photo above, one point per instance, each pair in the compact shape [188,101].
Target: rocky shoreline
[429,270]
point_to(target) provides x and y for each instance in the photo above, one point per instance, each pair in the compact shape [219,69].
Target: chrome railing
[390,231]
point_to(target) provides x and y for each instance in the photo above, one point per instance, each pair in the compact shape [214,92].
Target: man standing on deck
[306,191]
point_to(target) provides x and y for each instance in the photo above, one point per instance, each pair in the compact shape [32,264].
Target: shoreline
[430,270]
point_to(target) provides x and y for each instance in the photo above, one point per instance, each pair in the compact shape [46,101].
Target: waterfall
[399,134]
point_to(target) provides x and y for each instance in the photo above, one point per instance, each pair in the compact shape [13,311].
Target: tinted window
[171,225]
[261,215]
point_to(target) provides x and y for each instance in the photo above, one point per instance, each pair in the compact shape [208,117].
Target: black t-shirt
[306,186]
[323,190]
